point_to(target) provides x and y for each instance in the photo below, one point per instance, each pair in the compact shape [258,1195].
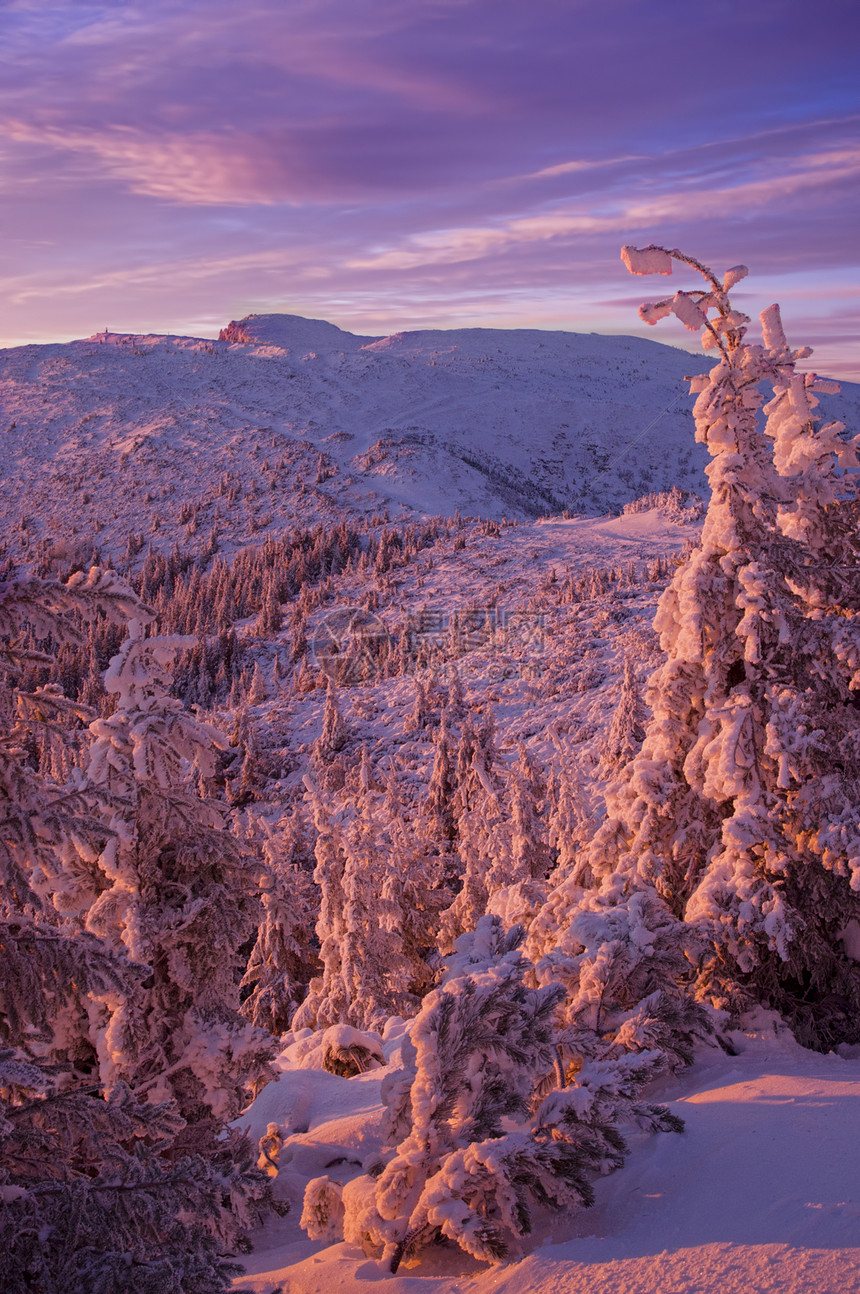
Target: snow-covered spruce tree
[569,832]
[477,1152]
[502,849]
[627,727]
[742,805]
[375,965]
[335,731]
[282,961]
[483,838]
[179,893]
[327,1000]
[438,809]
[419,884]
[95,1190]
[517,879]
[50,833]
[363,869]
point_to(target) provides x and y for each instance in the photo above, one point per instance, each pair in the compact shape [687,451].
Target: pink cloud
[409,161]
[195,168]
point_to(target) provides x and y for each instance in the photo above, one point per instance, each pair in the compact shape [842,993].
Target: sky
[400,164]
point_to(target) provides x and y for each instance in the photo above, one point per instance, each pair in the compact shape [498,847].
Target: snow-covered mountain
[287,420]
[411,715]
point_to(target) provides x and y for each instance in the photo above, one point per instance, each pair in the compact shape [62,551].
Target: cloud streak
[409,162]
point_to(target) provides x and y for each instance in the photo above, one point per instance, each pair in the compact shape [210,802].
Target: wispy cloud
[402,162]
[197,167]
[810,174]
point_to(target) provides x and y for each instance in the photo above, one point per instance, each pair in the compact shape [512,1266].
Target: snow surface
[760,1193]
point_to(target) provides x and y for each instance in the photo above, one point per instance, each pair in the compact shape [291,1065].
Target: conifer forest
[421,861]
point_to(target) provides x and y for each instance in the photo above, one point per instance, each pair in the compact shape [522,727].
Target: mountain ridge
[286,421]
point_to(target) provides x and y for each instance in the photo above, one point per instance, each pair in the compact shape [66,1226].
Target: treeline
[279,585]
[208,597]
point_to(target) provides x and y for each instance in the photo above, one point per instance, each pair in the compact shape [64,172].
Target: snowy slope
[760,1193]
[550,672]
[179,437]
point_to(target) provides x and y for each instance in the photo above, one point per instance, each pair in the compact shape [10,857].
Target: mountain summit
[290,333]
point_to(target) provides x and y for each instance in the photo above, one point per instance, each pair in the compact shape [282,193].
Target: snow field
[761,1193]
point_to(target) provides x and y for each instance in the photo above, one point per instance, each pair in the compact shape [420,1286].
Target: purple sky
[391,164]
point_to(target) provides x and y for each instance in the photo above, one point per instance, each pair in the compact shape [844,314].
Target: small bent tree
[741,807]
[474,1148]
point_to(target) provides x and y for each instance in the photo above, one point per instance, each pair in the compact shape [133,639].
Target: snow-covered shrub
[322,1210]
[347,1051]
[271,1144]
[625,961]
[340,1049]
[681,506]
[476,1151]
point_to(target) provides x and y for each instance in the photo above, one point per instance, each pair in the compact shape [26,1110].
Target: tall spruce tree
[741,807]
[483,843]
[282,961]
[517,879]
[369,945]
[179,891]
[627,727]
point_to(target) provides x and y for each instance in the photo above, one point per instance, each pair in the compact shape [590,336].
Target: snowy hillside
[291,420]
[534,620]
